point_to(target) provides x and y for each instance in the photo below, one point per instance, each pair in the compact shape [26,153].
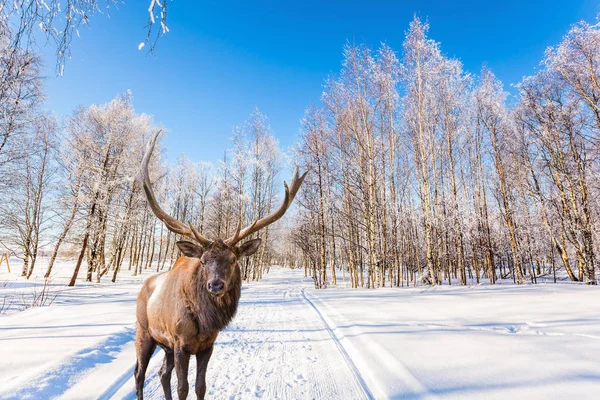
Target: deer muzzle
[216,287]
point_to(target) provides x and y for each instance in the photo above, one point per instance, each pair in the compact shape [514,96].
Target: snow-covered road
[290,341]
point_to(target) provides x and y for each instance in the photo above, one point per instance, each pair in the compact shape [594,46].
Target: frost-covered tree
[59,20]
[106,144]
[492,116]
[20,96]
[25,208]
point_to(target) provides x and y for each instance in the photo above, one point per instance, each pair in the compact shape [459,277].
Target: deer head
[218,257]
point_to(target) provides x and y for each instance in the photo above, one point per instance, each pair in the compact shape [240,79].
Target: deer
[184,309]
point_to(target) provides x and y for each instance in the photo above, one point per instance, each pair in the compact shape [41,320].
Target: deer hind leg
[182,361]
[144,348]
[165,373]
[202,362]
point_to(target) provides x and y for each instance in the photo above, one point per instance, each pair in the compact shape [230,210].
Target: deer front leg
[165,373]
[182,361]
[201,364]
[144,347]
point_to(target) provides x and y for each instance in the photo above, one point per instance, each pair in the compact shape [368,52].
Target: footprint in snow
[512,329]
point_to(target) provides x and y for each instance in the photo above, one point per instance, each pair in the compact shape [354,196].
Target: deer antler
[171,223]
[290,193]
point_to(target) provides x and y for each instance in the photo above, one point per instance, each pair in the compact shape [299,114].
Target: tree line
[419,172]
[422,171]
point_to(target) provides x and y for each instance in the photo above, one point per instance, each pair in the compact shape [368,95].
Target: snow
[290,341]
[534,342]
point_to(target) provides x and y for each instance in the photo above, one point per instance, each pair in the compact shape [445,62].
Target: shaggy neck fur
[210,313]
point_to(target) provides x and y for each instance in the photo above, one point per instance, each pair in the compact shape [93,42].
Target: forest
[420,173]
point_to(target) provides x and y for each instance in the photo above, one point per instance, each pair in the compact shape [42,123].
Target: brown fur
[176,311]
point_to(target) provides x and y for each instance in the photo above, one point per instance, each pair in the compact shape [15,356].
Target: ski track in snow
[340,347]
[411,386]
[289,341]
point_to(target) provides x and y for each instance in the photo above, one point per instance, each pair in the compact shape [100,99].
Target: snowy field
[290,341]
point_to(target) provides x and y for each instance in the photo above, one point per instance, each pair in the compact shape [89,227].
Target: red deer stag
[183,310]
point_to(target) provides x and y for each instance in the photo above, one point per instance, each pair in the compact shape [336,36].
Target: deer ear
[190,249]
[249,248]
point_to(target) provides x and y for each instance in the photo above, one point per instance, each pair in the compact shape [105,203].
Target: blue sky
[222,59]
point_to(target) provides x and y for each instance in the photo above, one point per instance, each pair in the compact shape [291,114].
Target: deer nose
[216,286]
